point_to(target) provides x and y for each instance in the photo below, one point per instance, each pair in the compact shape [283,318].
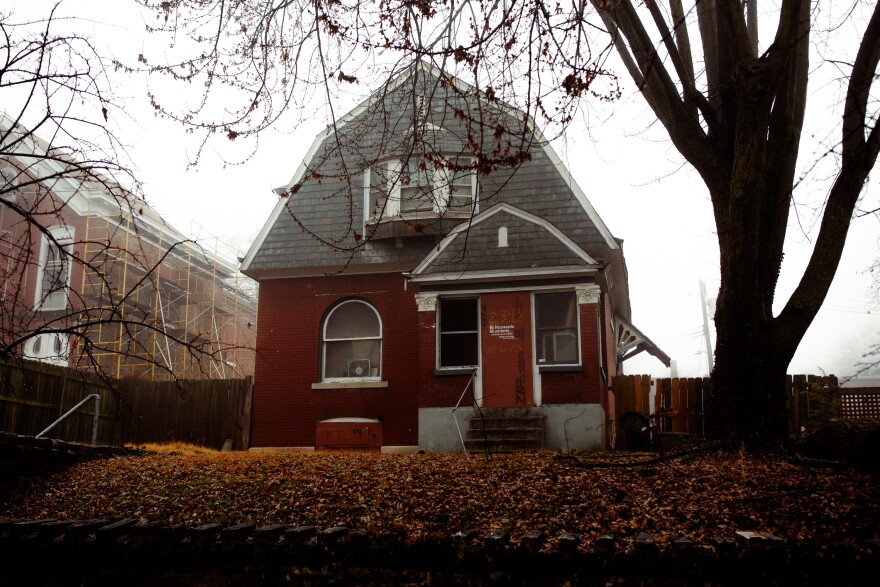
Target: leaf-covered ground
[429,495]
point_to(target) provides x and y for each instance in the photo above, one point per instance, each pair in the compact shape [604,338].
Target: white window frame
[62,239]
[440,187]
[536,331]
[440,333]
[325,340]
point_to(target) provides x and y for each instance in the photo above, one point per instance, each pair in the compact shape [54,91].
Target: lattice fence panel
[856,404]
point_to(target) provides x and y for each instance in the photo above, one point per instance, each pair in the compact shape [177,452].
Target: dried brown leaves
[433,495]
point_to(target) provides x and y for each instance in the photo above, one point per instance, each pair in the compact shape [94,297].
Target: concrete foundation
[566,427]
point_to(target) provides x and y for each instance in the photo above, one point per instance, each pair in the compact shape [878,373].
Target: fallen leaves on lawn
[430,496]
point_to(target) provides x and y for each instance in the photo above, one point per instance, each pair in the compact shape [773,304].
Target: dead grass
[176,449]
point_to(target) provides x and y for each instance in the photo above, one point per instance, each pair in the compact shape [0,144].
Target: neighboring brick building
[404,272]
[93,278]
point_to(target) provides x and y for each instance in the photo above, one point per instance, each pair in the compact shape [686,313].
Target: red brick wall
[436,391]
[20,249]
[583,386]
[286,408]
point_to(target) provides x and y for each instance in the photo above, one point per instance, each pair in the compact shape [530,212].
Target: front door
[506,341]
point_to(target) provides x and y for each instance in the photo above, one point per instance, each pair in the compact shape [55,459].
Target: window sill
[461,371]
[411,224]
[560,368]
[350,385]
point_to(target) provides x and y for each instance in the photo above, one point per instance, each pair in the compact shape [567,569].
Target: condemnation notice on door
[507,347]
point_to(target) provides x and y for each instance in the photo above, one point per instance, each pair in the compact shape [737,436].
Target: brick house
[94,279]
[412,284]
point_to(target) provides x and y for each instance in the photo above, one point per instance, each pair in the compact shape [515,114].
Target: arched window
[351,343]
[51,348]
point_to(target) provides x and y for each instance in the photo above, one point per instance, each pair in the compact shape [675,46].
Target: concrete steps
[505,430]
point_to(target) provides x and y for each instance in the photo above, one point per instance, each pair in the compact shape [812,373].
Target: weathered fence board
[34,395]
[205,412]
[631,393]
[804,390]
[680,404]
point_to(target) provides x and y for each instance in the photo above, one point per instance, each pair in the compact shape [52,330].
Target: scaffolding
[156,305]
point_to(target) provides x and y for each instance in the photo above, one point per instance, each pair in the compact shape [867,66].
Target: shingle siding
[529,245]
[323,224]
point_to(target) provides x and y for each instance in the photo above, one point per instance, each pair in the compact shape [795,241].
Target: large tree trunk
[749,398]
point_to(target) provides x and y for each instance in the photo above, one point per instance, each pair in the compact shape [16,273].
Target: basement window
[52,348]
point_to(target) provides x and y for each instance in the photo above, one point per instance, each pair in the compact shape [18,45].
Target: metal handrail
[97,399]
[458,405]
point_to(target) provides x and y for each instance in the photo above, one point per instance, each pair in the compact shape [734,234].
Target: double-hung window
[53,281]
[420,187]
[351,342]
[556,331]
[459,334]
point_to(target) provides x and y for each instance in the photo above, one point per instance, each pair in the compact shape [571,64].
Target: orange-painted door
[506,337]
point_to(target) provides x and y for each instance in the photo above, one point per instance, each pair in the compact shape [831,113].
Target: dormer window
[416,188]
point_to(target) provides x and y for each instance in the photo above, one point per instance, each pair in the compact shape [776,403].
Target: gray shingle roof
[320,226]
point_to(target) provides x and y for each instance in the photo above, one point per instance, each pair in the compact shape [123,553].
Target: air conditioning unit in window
[359,368]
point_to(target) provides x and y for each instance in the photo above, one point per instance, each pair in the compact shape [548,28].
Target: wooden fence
[205,412]
[680,404]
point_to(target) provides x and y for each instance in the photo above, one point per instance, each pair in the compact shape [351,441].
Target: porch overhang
[631,341]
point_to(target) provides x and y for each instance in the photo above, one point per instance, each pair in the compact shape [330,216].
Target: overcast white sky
[629,171]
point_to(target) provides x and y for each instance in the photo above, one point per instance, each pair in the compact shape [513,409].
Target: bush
[853,441]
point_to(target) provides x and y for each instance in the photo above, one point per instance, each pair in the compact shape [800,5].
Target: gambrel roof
[318,225]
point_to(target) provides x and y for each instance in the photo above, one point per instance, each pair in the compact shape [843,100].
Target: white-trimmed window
[459,333]
[397,188]
[556,329]
[53,276]
[53,348]
[8,182]
[351,343]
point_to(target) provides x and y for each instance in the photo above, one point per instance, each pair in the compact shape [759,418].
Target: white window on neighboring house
[401,188]
[351,342]
[53,348]
[8,183]
[556,329]
[53,276]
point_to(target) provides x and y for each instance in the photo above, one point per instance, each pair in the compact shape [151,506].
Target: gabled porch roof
[504,242]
